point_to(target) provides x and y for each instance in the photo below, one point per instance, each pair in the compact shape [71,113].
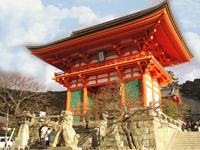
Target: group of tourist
[47,134]
[192,126]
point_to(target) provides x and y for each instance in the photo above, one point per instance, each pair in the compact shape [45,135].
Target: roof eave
[102,26]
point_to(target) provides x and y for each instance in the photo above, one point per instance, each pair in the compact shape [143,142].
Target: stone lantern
[23,135]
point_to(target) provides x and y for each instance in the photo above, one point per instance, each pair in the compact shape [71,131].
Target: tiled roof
[167,92]
[118,20]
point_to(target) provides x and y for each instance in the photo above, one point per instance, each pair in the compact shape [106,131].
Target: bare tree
[21,92]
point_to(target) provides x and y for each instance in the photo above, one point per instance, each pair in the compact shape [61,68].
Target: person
[51,136]
[197,122]
[43,133]
[87,117]
[189,129]
[47,137]
[55,125]
[198,128]
[195,128]
[40,132]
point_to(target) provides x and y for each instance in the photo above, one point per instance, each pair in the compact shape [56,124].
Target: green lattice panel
[78,111]
[90,102]
[76,99]
[77,118]
[133,92]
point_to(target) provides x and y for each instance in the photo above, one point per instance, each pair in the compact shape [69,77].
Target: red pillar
[84,101]
[123,92]
[144,90]
[160,102]
[68,99]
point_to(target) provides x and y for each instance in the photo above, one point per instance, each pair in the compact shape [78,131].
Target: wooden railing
[108,62]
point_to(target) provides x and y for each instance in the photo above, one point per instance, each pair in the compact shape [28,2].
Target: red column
[144,90]
[84,101]
[160,102]
[123,92]
[68,99]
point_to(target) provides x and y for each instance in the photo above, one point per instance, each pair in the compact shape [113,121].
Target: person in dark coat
[51,136]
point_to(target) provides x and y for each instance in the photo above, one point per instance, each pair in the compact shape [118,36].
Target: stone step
[184,148]
[186,141]
[192,136]
[188,144]
[185,145]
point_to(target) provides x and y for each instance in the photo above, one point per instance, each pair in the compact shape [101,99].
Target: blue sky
[35,22]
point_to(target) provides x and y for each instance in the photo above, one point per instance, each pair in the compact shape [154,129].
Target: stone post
[23,135]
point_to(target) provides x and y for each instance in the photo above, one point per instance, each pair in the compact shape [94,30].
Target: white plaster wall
[149,95]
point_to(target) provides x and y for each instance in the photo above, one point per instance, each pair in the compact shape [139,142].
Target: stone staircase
[37,146]
[186,141]
[79,127]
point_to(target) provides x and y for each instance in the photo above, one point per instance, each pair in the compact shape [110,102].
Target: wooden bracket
[67,82]
[85,56]
[140,67]
[118,48]
[83,78]
[67,61]
[119,71]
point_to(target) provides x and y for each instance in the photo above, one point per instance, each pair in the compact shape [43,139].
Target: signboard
[101,56]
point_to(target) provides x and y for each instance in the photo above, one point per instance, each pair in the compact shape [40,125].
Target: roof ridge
[116,20]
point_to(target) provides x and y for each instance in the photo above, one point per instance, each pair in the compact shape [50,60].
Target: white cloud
[188,23]
[186,12]
[186,71]
[193,41]
[17,59]
[152,3]
[29,22]
[49,73]
[28,68]
[5,59]
[84,14]
[84,0]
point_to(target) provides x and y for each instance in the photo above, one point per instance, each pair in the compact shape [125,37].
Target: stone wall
[154,131]
[150,131]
